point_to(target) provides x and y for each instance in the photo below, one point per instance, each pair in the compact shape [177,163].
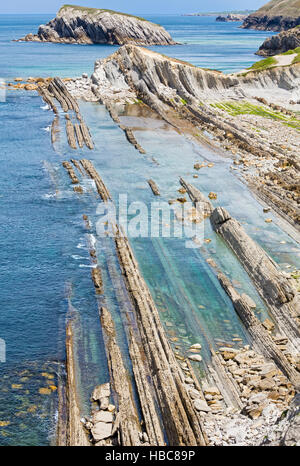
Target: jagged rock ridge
[81,25]
[276,15]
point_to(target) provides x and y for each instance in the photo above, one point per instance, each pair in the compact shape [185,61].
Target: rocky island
[230,18]
[276,15]
[280,43]
[80,25]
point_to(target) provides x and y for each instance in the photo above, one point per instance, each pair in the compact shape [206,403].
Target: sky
[132,6]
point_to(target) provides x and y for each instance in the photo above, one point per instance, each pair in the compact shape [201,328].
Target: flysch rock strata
[183,94]
[178,410]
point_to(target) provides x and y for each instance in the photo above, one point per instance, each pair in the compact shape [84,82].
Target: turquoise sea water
[45,264]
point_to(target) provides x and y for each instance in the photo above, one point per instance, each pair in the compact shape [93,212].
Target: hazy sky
[132,6]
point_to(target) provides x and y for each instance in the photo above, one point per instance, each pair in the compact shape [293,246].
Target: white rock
[102,416]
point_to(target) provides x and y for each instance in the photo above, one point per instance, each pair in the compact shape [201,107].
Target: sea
[45,267]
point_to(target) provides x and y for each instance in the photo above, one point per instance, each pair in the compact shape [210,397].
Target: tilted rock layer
[277,15]
[81,25]
[282,42]
[172,87]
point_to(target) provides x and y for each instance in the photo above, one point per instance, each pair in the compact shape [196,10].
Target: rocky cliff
[282,42]
[276,15]
[81,25]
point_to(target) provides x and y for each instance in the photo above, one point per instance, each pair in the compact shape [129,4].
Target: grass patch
[292,52]
[245,108]
[263,64]
[96,11]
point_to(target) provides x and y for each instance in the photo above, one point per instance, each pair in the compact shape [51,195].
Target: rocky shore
[280,43]
[80,25]
[276,15]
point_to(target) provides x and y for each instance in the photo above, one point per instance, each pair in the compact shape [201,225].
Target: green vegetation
[96,11]
[245,108]
[184,102]
[263,64]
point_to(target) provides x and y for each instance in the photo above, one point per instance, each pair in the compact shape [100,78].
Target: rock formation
[274,287]
[224,105]
[276,15]
[230,18]
[280,43]
[80,25]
